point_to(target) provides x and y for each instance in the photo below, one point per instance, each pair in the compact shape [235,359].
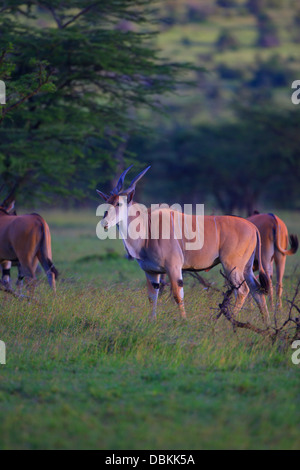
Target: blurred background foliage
[200,90]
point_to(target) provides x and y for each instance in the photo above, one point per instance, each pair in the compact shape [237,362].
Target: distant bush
[227,3]
[275,3]
[186,11]
[196,13]
[227,41]
[256,7]
[296,27]
[274,72]
[185,41]
[297,18]
[229,73]
[267,32]
[168,20]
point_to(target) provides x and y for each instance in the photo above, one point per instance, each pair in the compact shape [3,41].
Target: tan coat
[274,239]
[27,239]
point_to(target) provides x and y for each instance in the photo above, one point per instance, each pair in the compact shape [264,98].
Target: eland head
[119,199]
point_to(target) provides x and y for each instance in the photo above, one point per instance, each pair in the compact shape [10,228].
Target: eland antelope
[231,241]
[274,248]
[25,240]
[6,265]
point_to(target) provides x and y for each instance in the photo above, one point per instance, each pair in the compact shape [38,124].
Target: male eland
[231,241]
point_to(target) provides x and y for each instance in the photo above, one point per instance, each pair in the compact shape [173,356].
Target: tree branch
[55,16]
[42,82]
[225,309]
[82,12]
[203,281]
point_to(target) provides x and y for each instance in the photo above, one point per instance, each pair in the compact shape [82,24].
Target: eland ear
[130,196]
[103,195]
[9,208]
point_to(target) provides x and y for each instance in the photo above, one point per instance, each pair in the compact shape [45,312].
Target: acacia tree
[236,166]
[74,75]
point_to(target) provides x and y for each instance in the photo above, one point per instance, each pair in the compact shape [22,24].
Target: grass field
[87,369]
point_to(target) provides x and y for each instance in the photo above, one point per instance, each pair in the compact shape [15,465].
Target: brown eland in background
[274,248]
[7,265]
[228,240]
[25,240]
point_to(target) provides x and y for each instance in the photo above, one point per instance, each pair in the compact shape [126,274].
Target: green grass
[87,369]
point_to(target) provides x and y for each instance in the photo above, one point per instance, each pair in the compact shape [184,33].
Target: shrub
[296,27]
[256,7]
[229,73]
[227,41]
[227,3]
[273,72]
[196,13]
[267,32]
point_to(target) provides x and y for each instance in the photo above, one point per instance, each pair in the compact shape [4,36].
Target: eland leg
[29,278]
[257,294]
[280,268]
[49,269]
[27,271]
[153,289]
[6,280]
[175,276]
[242,290]
[162,283]
[267,263]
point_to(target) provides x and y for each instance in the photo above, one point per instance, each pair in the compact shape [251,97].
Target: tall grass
[87,369]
